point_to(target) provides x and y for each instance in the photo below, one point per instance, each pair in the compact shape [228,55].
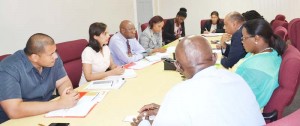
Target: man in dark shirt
[29,77]
[232,52]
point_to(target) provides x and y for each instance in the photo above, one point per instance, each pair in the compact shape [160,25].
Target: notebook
[85,104]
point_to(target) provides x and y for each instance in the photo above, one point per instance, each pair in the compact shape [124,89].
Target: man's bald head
[194,54]
[233,22]
[37,42]
[235,16]
[127,29]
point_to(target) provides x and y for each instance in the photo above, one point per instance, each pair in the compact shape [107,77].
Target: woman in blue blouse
[260,66]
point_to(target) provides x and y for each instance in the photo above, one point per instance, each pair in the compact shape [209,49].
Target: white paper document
[163,55]
[82,108]
[171,49]
[212,34]
[107,84]
[128,73]
[142,64]
[153,58]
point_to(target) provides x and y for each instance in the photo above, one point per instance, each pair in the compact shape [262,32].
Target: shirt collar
[122,37]
[150,31]
[205,72]
[26,61]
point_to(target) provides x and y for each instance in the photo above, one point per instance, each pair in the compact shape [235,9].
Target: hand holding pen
[206,31]
[68,98]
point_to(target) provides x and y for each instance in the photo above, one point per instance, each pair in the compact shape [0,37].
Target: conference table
[150,86]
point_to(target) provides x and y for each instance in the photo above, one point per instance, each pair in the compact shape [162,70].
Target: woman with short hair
[151,38]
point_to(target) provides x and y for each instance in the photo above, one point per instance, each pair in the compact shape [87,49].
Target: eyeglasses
[130,29]
[244,38]
[178,66]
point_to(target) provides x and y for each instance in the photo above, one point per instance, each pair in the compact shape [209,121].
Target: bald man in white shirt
[209,96]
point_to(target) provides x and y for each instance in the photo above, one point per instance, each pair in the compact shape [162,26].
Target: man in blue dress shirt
[123,45]
[29,77]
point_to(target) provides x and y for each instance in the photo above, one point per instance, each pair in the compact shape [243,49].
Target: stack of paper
[163,55]
[142,64]
[212,34]
[171,49]
[153,58]
[128,73]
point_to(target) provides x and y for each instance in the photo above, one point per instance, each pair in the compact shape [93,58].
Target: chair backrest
[292,119]
[144,26]
[277,23]
[281,32]
[70,53]
[294,32]
[3,56]
[289,78]
[279,17]
[202,22]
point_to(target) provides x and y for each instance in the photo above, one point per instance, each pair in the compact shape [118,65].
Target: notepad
[115,83]
[153,58]
[171,49]
[212,34]
[81,109]
[128,73]
[142,64]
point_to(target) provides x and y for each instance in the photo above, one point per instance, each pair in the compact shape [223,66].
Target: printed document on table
[106,84]
[82,108]
[128,73]
[142,64]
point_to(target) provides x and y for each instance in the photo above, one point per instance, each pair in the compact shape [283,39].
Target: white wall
[200,9]
[63,20]
[66,20]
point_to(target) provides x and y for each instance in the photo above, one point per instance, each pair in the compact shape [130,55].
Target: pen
[95,96]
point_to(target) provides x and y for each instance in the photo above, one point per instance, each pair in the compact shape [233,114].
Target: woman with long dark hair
[214,25]
[96,57]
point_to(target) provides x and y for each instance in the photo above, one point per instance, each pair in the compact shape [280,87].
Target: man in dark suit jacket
[168,31]
[235,50]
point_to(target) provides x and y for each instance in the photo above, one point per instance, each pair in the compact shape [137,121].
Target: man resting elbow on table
[29,77]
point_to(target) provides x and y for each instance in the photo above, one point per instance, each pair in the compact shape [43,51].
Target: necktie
[128,48]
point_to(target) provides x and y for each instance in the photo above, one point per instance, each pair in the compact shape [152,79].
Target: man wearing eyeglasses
[209,96]
[123,45]
[231,43]
[29,77]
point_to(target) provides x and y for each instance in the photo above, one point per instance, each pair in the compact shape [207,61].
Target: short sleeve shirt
[99,61]
[20,80]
